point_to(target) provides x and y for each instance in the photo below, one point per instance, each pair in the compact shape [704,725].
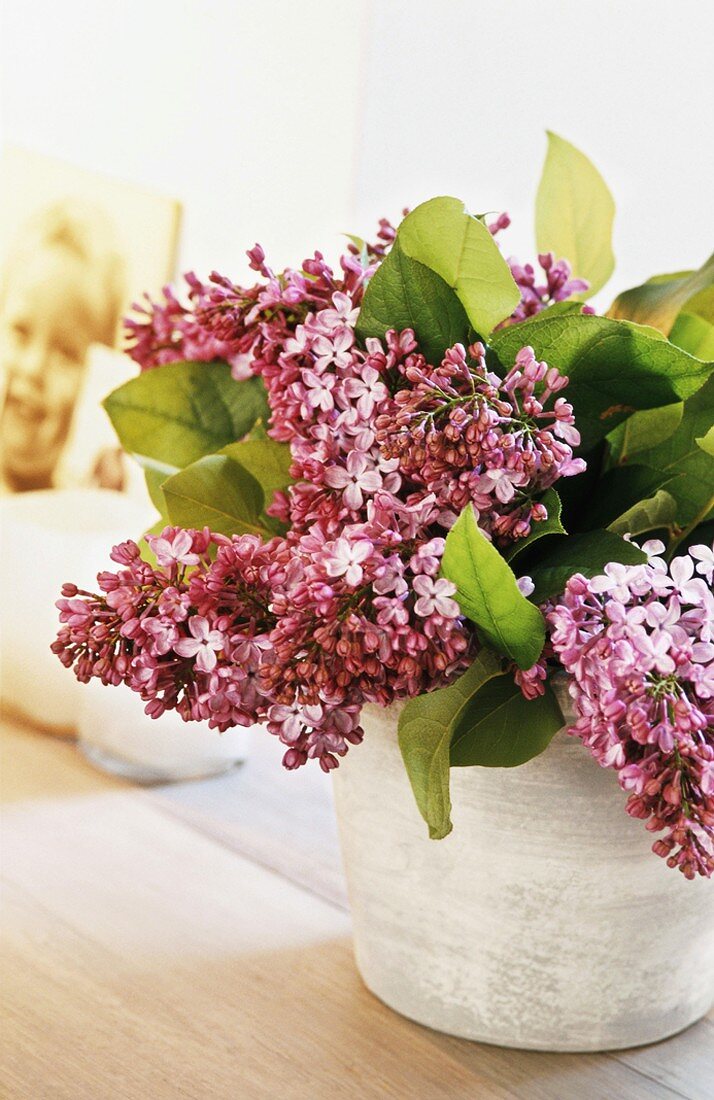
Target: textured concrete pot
[543,921]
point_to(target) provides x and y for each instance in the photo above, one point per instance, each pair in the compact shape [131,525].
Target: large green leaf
[575,212]
[552,525]
[694,335]
[172,415]
[587,553]
[659,511]
[658,301]
[218,492]
[706,442]
[644,430]
[404,293]
[155,479]
[266,460]
[444,237]
[619,490]
[702,304]
[425,729]
[499,728]
[487,592]
[681,455]
[704,533]
[614,367]
[577,491]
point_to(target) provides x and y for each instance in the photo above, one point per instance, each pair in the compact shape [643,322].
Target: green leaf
[703,533]
[266,460]
[175,414]
[145,551]
[444,237]
[668,276]
[425,729]
[706,442]
[577,491]
[258,431]
[361,246]
[550,526]
[218,492]
[155,479]
[619,490]
[680,454]
[645,429]
[359,242]
[658,301]
[694,335]
[499,728]
[648,515]
[702,304]
[571,307]
[406,294]
[487,592]
[614,368]
[587,553]
[574,213]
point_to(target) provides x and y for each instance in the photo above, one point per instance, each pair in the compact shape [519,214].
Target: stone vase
[543,921]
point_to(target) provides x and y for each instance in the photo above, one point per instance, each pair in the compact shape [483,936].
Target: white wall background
[290,122]
[245,110]
[458,95]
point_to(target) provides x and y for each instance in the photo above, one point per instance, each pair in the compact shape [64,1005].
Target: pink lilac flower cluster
[298,632]
[361,617]
[468,436]
[638,643]
[241,325]
[347,607]
[188,634]
[555,284]
[222,321]
[168,331]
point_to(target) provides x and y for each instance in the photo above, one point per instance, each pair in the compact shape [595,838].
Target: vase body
[543,921]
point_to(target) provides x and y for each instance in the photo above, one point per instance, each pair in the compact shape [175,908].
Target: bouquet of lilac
[421,476]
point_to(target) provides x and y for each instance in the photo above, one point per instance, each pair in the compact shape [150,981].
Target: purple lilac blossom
[348,607]
[555,284]
[638,643]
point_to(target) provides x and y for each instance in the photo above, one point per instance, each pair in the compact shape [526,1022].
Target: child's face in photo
[46,326]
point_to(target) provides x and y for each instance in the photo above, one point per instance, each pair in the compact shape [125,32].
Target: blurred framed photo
[76,249]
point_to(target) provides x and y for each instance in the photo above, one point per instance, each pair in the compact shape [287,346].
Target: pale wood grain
[283,820]
[286,821]
[685,1063]
[144,958]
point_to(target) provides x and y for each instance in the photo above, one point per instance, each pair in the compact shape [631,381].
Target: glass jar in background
[118,737]
[47,537]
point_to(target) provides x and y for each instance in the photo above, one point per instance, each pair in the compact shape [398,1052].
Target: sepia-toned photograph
[76,249]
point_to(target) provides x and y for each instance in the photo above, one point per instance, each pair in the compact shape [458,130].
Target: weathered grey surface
[543,921]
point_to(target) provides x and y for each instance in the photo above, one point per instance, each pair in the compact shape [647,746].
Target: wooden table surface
[193,941]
